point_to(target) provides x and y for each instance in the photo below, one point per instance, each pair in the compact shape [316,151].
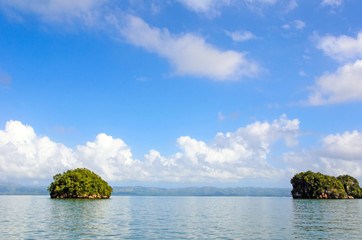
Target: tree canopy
[316,185]
[79,183]
[351,186]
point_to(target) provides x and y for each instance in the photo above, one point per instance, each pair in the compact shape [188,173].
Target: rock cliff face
[94,196]
[318,186]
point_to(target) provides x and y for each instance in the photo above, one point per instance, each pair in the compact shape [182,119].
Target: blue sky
[180,93]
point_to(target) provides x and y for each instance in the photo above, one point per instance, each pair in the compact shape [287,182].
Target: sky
[173,93]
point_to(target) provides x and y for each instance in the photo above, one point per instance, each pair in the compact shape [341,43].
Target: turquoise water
[122,217]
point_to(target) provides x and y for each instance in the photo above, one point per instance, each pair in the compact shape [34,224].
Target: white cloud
[296,24]
[25,155]
[110,157]
[345,85]
[229,156]
[257,6]
[332,2]
[222,117]
[339,154]
[188,54]
[240,36]
[56,10]
[292,5]
[261,1]
[346,146]
[205,6]
[341,48]
[232,156]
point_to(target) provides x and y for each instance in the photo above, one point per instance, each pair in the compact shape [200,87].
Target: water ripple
[39,217]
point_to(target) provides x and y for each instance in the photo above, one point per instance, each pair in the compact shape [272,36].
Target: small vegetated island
[312,185]
[79,183]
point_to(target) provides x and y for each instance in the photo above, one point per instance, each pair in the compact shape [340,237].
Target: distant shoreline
[16,189]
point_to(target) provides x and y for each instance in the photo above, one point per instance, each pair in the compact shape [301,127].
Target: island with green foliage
[79,183]
[312,185]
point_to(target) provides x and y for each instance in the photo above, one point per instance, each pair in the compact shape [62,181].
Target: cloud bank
[233,156]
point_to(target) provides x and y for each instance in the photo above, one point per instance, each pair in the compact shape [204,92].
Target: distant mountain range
[202,191]
[16,189]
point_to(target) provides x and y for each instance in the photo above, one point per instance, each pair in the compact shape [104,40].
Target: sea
[156,217]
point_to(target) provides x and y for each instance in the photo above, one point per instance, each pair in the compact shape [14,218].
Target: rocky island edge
[310,185]
[79,183]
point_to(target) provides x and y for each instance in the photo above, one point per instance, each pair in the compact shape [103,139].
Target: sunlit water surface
[121,217]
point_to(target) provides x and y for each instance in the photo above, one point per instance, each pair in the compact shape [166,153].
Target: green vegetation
[351,186]
[79,183]
[318,186]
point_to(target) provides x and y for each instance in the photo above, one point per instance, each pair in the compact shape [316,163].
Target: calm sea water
[121,217]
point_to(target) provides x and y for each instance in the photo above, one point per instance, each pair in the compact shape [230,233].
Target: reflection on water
[327,219]
[39,217]
[73,217]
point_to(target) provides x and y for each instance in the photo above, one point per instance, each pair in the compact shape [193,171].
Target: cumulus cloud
[188,54]
[23,154]
[341,48]
[346,146]
[204,6]
[345,85]
[56,10]
[232,156]
[228,157]
[110,157]
[339,154]
[240,36]
[332,2]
